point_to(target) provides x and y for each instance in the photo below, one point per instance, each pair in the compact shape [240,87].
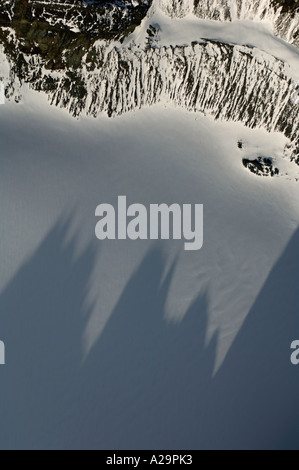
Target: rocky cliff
[85,75]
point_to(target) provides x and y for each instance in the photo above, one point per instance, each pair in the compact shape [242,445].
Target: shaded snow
[134,345]
[78,311]
[183,31]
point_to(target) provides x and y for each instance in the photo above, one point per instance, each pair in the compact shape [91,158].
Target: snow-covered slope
[210,73]
[283,16]
[125,345]
[135,345]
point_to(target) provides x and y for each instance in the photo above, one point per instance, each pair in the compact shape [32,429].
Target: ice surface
[142,345]
[139,344]
[183,31]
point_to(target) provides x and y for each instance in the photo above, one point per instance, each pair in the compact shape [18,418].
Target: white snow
[154,155]
[135,345]
[183,31]
[55,169]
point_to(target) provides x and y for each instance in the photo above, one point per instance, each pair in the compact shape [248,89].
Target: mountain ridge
[87,76]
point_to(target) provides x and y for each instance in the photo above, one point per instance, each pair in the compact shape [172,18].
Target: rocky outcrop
[86,76]
[283,14]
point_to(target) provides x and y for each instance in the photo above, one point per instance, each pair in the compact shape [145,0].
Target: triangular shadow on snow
[41,322]
[146,383]
[138,378]
[256,389]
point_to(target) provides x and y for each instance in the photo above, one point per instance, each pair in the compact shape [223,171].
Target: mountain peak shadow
[41,323]
[146,383]
[137,383]
[256,389]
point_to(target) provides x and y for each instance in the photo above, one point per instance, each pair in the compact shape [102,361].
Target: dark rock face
[49,27]
[103,18]
[261,166]
[54,47]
